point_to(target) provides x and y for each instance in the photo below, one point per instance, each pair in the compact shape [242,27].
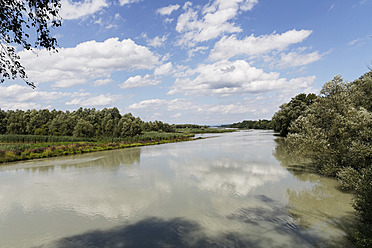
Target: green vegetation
[334,130]
[289,112]
[190,126]
[197,129]
[82,123]
[260,124]
[19,138]
[38,134]
[43,133]
[204,130]
[23,151]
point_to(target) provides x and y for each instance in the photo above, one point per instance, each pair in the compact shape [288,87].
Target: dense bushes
[335,131]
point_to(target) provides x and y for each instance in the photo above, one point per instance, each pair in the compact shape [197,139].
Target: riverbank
[11,152]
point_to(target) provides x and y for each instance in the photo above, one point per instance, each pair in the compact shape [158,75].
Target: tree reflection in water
[108,159]
[224,192]
[322,205]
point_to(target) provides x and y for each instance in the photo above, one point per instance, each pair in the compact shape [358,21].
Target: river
[229,190]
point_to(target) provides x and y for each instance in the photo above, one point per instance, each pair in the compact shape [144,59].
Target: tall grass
[15,147]
[147,136]
[30,149]
[17,138]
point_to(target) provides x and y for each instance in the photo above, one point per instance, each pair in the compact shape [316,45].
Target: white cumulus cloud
[124,2]
[163,69]
[155,104]
[230,46]
[74,10]
[87,62]
[95,101]
[216,19]
[157,41]
[138,81]
[168,10]
[294,59]
[23,97]
[226,78]
[200,49]
[101,82]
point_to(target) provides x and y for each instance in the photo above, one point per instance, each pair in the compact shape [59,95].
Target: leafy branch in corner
[20,20]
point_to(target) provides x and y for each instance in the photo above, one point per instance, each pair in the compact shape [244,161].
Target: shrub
[363,205]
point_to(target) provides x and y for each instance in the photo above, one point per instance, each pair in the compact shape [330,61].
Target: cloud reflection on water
[227,176]
[212,182]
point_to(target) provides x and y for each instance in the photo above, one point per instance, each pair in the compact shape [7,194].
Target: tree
[289,112]
[68,125]
[80,123]
[38,120]
[129,126]
[15,123]
[362,91]
[3,121]
[83,129]
[55,126]
[362,236]
[15,18]
[336,133]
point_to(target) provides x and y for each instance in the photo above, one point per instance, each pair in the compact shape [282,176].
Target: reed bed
[32,146]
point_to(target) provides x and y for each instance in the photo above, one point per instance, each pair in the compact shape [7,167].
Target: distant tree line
[190,126]
[334,129]
[260,124]
[86,122]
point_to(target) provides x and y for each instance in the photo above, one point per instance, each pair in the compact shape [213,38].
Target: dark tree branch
[17,19]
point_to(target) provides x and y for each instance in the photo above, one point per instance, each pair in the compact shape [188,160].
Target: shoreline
[55,150]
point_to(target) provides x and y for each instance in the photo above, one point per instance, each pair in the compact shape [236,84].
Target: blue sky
[205,62]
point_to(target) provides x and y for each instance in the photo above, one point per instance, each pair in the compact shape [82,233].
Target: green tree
[129,126]
[68,125]
[82,123]
[55,124]
[38,119]
[363,205]
[19,22]
[3,121]
[336,133]
[289,112]
[83,129]
[15,122]
[109,122]
[361,90]
[145,126]
[43,130]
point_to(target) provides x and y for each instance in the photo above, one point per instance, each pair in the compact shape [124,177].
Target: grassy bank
[16,148]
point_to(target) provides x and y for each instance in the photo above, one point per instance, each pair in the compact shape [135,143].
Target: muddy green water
[233,190]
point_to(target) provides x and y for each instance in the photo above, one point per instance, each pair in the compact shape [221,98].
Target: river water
[232,190]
